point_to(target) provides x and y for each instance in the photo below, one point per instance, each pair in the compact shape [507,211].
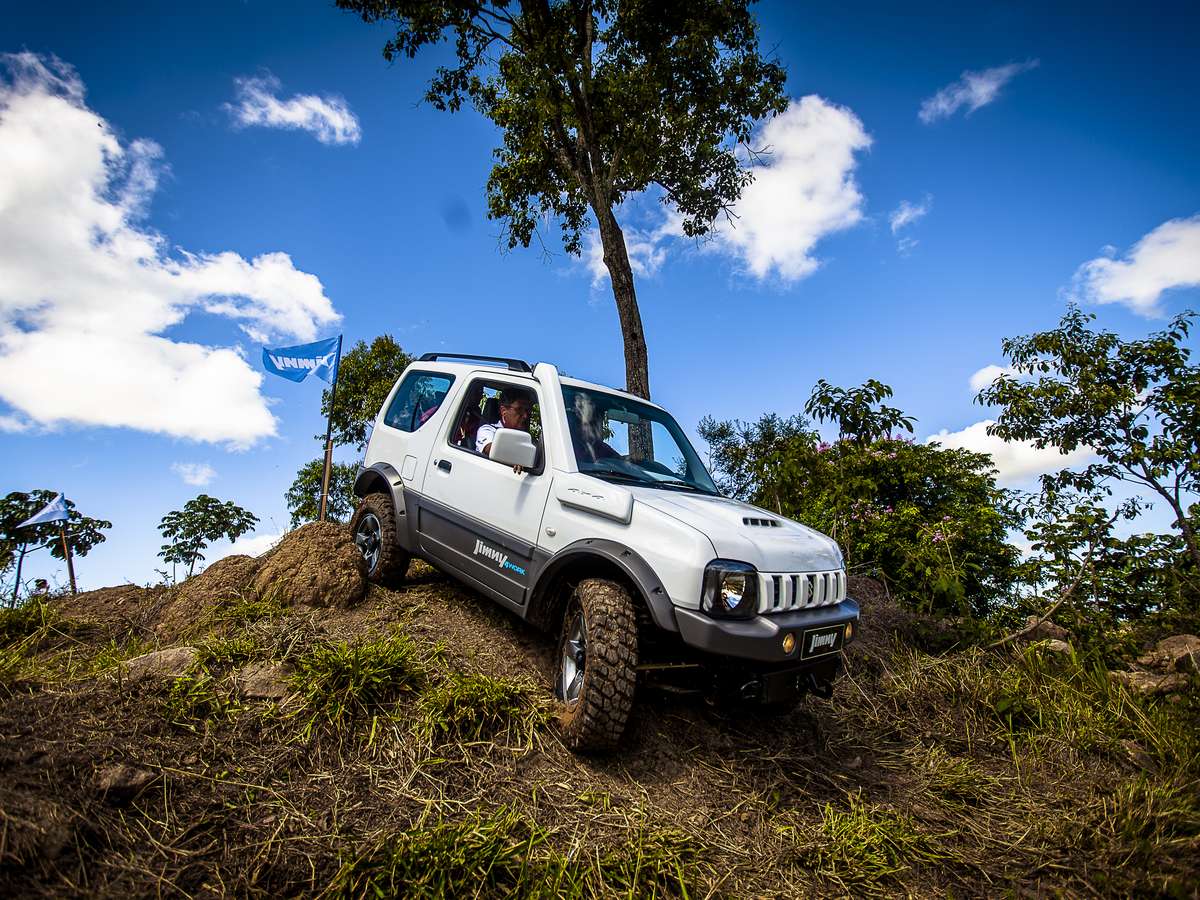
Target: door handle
[444,465]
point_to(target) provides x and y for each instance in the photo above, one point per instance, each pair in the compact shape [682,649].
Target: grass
[240,610]
[954,780]
[197,698]
[30,631]
[503,853]
[495,854]
[31,619]
[341,683]
[865,848]
[1049,705]
[474,707]
[228,651]
[651,862]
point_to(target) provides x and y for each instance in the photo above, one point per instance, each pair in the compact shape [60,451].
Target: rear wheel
[374,531]
[597,665]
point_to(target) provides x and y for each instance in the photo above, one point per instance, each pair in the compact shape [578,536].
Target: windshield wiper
[614,473]
[675,482]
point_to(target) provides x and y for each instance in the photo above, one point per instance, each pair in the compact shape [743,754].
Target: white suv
[586,510]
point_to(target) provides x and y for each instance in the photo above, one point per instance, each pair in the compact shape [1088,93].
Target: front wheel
[597,665]
[374,531]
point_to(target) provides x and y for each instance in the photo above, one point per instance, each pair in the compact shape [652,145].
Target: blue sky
[1076,175]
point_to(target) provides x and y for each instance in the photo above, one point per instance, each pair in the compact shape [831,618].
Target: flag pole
[67,552]
[337,370]
[17,585]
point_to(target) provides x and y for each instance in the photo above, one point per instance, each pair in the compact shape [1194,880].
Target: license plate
[819,641]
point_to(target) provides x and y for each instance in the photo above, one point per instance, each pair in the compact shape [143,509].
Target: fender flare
[383,479]
[633,566]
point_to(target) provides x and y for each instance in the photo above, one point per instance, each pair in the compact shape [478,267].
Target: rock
[315,565]
[1137,754]
[169,663]
[262,681]
[1054,646]
[122,781]
[1044,631]
[1149,684]
[1181,652]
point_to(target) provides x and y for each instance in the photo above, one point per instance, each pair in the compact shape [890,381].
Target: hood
[786,547]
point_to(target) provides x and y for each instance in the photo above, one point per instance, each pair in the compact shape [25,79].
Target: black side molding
[515,365]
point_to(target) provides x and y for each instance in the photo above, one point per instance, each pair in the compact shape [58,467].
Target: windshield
[622,440]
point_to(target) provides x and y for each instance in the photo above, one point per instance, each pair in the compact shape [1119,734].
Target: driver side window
[419,397]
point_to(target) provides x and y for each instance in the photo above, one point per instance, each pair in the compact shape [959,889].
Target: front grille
[800,590]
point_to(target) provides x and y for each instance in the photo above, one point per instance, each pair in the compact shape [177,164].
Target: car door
[478,516]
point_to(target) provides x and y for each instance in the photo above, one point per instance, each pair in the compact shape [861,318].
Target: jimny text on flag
[321,358]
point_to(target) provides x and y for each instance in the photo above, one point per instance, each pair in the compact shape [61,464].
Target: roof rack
[515,365]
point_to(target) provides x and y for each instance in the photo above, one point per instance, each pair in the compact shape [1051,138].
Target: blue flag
[54,511]
[321,358]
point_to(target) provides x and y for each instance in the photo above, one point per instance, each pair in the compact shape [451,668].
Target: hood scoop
[760,523]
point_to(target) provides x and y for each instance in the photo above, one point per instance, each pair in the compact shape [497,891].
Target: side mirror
[513,447]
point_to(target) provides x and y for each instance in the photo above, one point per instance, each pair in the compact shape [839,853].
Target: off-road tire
[392,563]
[596,720]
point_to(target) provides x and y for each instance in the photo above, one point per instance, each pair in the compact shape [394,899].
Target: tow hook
[823,689]
[751,690]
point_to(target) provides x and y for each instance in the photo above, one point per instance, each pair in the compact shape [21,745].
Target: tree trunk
[1189,536]
[620,273]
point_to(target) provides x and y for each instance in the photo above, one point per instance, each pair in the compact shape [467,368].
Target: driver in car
[515,407]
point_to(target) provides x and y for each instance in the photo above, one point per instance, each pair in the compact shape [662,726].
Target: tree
[83,532]
[1135,404]
[928,521]
[365,378]
[202,520]
[304,496]
[855,411]
[598,100]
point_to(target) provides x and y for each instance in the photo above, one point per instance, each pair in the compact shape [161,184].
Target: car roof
[464,369]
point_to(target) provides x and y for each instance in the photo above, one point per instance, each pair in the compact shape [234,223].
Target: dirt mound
[883,620]
[226,579]
[121,608]
[315,565]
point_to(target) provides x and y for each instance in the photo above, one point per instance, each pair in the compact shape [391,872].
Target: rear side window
[420,395]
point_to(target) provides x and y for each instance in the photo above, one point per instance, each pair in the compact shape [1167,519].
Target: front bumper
[761,638]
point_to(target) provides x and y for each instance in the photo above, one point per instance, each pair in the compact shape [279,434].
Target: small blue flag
[54,511]
[321,358]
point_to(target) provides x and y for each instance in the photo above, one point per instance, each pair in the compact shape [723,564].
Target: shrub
[929,521]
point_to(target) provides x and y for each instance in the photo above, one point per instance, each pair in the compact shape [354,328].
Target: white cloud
[647,250]
[804,191]
[907,213]
[88,291]
[248,545]
[985,376]
[1018,462]
[1168,257]
[13,424]
[198,474]
[328,118]
[973,90]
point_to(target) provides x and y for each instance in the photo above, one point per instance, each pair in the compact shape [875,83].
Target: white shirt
[485,435]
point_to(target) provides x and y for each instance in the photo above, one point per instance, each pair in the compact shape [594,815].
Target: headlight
[730,589]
